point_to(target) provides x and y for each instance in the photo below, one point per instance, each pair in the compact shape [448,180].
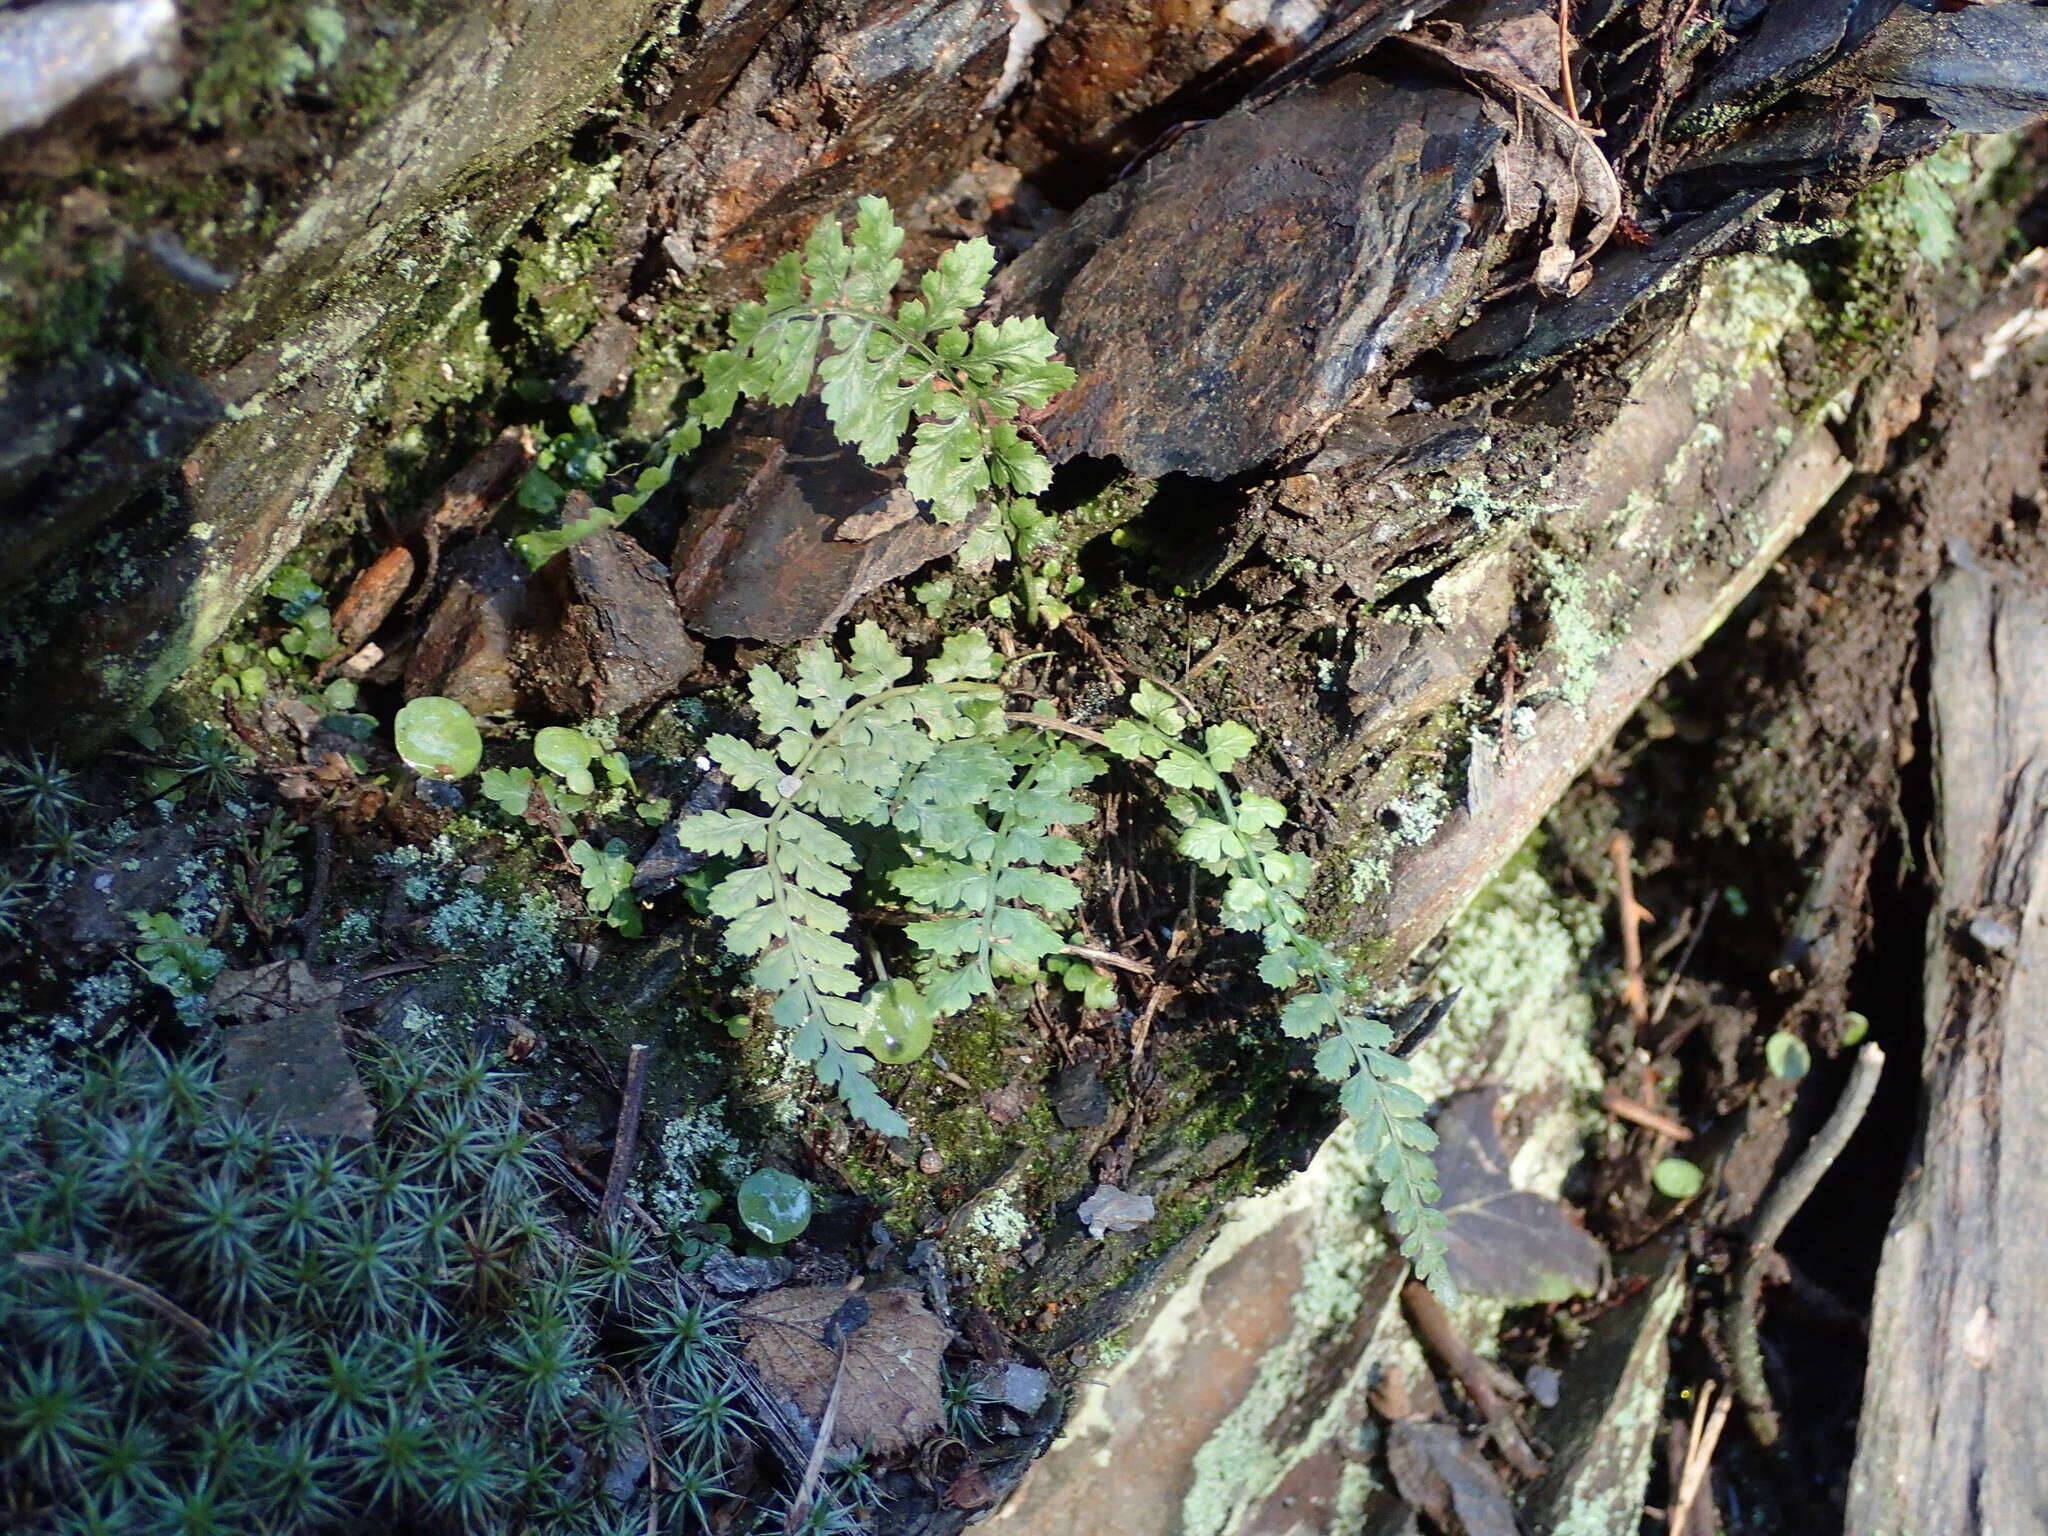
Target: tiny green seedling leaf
[1787,1056]
[568,754]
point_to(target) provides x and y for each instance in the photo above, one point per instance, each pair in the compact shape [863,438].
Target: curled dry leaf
[1442,1474]
[891,1398]
[1549,168]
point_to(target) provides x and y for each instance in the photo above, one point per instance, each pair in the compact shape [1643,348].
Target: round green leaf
[1854,1027]
[1677,1179]
[898,1027]
[775,1206]
[1787,1056]
[568,755]
[437,737]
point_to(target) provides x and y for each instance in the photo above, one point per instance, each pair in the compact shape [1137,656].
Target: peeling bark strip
[1954,1418]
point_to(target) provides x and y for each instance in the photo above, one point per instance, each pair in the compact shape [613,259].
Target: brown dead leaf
[890,1401]
[1548,163]
[970,1490]
[264,992]
[1443,1475]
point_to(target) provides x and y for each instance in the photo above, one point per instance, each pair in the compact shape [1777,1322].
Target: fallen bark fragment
[609,640]
[794,529]
[468,650]
[1239,289]
[1953,1416]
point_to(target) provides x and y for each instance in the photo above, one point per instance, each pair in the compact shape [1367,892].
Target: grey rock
[1079,1100]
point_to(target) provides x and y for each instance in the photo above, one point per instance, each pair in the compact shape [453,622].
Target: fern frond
[884,371]
[990,884]
[843,741]
[1235,835]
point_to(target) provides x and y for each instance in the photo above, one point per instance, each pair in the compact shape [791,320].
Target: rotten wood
[1954,1416]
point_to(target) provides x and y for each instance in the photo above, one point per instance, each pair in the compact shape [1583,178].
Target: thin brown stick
[1160,996]
[1709,1418]
[1631,915]
[1692,942]
[1108,957]
[316,900]
[1478,1376]
[161,1305]
[1564,58]
[1208,657]
[800,1506]
[1624,1108]
[626,1142]
[1055,723]
[1739,1318]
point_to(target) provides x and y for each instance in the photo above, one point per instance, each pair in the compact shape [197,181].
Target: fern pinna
[829,312]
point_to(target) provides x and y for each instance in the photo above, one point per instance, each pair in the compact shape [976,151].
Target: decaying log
[1953,1416]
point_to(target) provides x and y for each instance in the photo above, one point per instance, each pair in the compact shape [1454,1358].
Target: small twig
[1739,1319]
[1709,1418]
[1564,58]
[1209,656]
[1108,957]
[316,900]
[626,1141]
[800,1506]
[1631,915]
[1160,996]
[1479,1377]
[1624,1108]
[161,1305]
[1684,959]
[1054,723]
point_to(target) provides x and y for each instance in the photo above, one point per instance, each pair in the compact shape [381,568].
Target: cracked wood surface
[1953,1417]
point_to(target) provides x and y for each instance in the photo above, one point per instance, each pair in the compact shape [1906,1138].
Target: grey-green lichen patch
[513,937]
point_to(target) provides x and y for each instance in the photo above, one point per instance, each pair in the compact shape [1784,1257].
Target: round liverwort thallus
[437,737]
[775,1206]
[899,1023]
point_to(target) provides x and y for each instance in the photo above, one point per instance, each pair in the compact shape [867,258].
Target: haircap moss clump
[214,1325]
